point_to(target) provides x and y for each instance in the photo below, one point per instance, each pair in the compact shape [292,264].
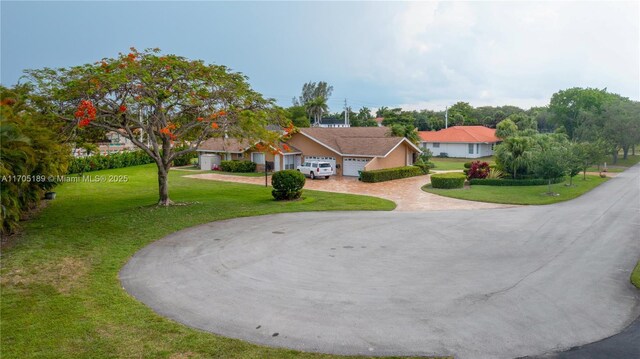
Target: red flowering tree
[160,102]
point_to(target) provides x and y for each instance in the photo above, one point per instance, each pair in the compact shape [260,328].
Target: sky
[414,55]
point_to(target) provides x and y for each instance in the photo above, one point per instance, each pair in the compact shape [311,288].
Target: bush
[467,165]
[185,159]
[389,174]
[478,170]
[287,185]
[238,166]
[424,166]
[512,182]
[448,180]
[115,160]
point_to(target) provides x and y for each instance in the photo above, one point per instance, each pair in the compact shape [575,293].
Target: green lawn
[521,194]
[61,297]
[450,163]
[635,276]
[243,174]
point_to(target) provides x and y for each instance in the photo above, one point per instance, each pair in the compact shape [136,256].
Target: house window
[436,145]
[289,162]
[471,148]
[477,148]
[257,157]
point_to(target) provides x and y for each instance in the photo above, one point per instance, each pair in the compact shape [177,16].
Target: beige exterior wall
[309,147]
[397,158]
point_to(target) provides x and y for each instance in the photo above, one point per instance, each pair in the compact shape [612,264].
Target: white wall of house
[460,150]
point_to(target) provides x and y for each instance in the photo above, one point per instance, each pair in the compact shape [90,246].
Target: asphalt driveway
[497,283]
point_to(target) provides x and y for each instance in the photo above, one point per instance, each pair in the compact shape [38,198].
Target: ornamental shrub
[467,165]
[478,170]
[448,180]
[389,174]
[424,166]
[238,166]
[287,185]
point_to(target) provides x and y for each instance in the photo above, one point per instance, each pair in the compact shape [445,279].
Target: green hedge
[287,185]
[389,174]
[512,182]
[185,159]
[448,180]
[238,166]
[114,160]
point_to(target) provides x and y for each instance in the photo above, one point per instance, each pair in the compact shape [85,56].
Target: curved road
[496,283]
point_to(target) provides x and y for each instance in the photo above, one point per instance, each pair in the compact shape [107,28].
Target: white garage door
[331,160]
[353,165]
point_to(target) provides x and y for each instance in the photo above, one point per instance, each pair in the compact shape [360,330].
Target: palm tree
[515,151]
[316,108]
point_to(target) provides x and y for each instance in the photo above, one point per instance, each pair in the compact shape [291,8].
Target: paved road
[495,283]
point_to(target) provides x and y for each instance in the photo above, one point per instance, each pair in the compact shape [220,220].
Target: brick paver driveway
[406,193]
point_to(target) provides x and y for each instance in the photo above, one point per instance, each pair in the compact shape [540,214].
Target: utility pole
[346,113]
[446,117]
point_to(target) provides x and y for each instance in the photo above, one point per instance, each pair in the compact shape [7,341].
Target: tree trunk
[625,150]
[615,156]
[549,186]
[633,150]
[163,187]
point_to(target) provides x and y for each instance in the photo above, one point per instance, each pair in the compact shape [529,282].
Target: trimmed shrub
[448,180]
[512,182]
[389,174]
[467,165]
[115,160]
[287,185]
[238,166]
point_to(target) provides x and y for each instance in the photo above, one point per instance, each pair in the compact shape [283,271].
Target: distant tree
[435,123]
[407,131]
[298,115]
[567,105]
[316,108]
[311,91]
[550,163]
[461,113]
[621,125]
[524,121]
[381,111]
[506,128]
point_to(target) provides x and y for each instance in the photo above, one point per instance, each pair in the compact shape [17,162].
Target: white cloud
[502,53]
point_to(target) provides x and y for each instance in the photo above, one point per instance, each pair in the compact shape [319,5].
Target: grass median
[61,297]
[521,194]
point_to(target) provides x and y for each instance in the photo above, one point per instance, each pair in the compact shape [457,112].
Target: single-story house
[215,150]
[354,149]
[460,141]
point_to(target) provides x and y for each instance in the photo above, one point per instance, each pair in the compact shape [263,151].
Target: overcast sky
[414,55]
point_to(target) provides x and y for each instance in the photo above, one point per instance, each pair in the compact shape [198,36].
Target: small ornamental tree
[165,104]
[550,164]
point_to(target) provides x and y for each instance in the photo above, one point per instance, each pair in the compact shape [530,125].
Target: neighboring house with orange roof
[460,141]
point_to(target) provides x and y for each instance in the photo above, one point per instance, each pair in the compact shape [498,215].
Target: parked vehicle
[316,169]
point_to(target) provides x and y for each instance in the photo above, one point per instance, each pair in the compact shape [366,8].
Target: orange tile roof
[461,134]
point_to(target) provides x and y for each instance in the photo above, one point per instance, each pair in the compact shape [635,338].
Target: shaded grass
[521,194]
[451,163]
[635,276]
[61,297]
